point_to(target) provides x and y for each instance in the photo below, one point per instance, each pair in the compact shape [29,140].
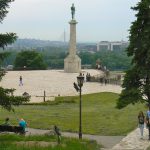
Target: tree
[32,60]
[7,38]
[136,85]
[7,99]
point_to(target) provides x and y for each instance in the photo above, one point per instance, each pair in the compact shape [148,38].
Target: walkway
[106,141]
[131,142]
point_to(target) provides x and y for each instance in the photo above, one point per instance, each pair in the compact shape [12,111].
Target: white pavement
[54,82]
[133,142]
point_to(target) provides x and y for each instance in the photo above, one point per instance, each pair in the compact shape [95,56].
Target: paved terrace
[54,82]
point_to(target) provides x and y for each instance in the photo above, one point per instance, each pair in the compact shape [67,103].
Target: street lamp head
[76,86]
[80,80]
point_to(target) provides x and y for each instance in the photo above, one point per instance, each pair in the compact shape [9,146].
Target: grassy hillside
[99,115]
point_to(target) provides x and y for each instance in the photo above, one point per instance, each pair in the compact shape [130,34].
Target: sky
[98,20]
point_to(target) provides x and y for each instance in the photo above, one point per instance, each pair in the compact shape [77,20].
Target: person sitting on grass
[7,122]
[23,124]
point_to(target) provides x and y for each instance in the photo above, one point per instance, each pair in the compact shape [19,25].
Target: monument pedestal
[72,63]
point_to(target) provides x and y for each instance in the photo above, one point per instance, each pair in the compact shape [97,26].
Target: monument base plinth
[72,64]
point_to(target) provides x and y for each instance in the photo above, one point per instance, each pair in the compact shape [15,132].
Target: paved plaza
[54,82]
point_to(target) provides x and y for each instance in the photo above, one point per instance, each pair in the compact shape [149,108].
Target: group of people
[22,123]
[103,80]
[88,77]
[142,119]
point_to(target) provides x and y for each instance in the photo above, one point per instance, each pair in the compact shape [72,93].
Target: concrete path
[106,141]
[131,142]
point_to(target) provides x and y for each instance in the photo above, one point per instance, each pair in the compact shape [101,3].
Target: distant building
[103,45]
[114,45]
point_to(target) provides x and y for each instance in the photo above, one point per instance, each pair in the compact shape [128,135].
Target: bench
[15,129]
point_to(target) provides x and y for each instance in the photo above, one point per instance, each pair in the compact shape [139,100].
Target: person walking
[20,81]
[141,120]
[148,121]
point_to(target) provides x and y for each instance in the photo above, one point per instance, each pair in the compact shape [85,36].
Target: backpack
[141,119]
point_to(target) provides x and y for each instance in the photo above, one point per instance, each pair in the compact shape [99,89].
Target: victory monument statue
[73,11]
[72,63]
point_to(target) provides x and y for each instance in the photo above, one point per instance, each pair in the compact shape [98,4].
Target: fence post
[44,95]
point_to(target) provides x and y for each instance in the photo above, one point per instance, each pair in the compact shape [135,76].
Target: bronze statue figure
[72,11]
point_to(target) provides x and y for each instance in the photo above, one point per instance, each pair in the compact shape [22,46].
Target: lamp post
[78,88]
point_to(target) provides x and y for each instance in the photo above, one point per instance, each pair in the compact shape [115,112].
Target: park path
[106,141]
[131,142]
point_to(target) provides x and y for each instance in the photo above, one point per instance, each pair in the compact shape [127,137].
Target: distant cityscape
[28,44]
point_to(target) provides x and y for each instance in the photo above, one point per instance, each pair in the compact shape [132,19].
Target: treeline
[54,58]
[113,60]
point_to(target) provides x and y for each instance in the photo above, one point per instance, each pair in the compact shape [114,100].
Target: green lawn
[99,115]
[148,148]
[16,142]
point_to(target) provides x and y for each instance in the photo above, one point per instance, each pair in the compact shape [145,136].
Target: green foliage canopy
[54,58]
[7,38]
[113,60]
[32,60]
[136,86]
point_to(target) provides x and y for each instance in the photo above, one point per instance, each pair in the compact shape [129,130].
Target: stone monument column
[72,43]
[72,63]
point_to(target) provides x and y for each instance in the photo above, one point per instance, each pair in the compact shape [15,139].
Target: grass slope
[99,115]
[16,142]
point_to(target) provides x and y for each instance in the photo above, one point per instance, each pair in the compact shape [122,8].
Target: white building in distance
[113,45]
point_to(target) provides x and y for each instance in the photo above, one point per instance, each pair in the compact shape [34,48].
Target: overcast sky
[47,19]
